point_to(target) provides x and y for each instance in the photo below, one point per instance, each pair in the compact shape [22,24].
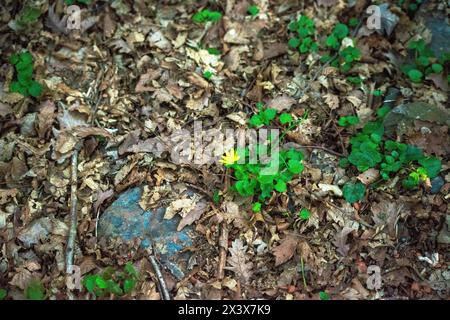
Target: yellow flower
[230,157]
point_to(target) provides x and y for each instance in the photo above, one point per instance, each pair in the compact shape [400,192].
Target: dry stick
[223,244]
[162,283]
[73,210]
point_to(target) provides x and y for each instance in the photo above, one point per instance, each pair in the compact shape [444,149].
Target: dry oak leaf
[46,117]
[144,83]
[285,251]
[280,103]
[238,261]
[193,215]
[332,101]
[340,240]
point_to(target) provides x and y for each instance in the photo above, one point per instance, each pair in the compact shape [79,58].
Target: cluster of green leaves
[206,15]
[354,192]
[347,121]
[425,62]
[35,290]
[25,85]
[345,56]
[253,10]
[111,281]
[370,150]
[3,293]
[263,117]
[71,2]
[27,16]
[356,80]
[304,41]
[264,177]
[340,31]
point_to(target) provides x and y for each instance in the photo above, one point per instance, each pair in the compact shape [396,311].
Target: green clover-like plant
[112,281]
[253,10]
[370,150]
[304,214]
[266,175]
[35,290]
[206,15]
[425,62]
[347,121]
[263,117]
[207,75]
[354,192]
[3,293]
[25,85]
[305,39]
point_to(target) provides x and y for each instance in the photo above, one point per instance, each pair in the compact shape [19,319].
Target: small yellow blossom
[230,157]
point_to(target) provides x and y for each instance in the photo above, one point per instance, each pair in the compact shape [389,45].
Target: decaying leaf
[238,261]
[340,240]
[281,103]
[285,250]
[193,215]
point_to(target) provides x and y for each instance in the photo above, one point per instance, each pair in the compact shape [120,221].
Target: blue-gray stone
[436,21]
[125,219]
[436,184]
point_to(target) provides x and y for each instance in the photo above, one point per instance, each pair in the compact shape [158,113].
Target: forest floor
[138,71]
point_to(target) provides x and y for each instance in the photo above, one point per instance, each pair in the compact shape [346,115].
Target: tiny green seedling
[355,80]
[339,32]
[253,10]
[353,22]
[216,197]
[214,51]
[347,57]
[304,214]
[256,207]
[377,93]
[285,118]
[25,85]
[348,121]
[206,15]
[263,117]
[323,295]
[35,290]
[354,192]
[207,75]
[3,294]
[112,281]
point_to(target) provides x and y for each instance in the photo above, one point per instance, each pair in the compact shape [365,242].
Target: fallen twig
[73,210]
[223,244]
[161,282]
